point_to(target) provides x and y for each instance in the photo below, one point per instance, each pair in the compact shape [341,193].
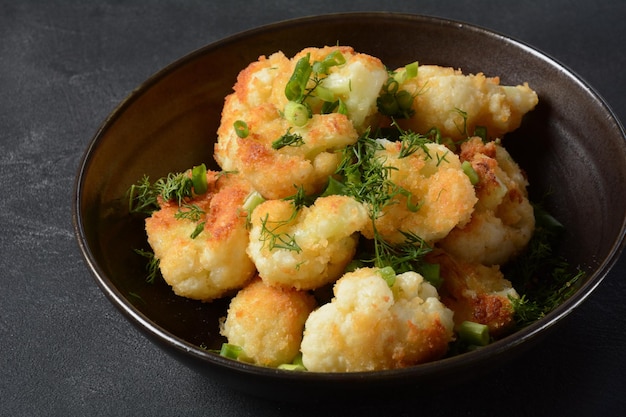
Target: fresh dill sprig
[288,139]
[543,279]
[189,212]
[276,239]
[142,197]
[152,265]
[300,199]
[176,186]
[366,178]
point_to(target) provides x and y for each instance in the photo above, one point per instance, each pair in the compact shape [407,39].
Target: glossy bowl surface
[571,146]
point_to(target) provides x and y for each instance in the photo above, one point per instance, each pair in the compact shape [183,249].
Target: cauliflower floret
[476,293]
[214,262]
[441,194]
[308,248]
[440,92]
[267,322]
[369,326]
[503,220]
[259,100]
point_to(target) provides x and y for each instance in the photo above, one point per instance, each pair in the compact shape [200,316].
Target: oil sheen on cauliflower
[308,248]
[437,185]
[440,92]
[259,101]
[267,322]
[215,261]
[371,326]
[503,221]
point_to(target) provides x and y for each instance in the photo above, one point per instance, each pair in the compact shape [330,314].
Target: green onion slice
[470,172]
[294,89]
[198,179]
[388,274]
[296,113]
[474,333]
[241,129]
[230,351]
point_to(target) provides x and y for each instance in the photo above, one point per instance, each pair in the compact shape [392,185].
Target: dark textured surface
[65,350]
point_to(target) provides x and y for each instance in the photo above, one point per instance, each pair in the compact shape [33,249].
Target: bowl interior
[571,146]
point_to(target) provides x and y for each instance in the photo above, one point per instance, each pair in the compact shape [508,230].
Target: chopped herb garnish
[543,279]
[152,266]
[241,129]
[288,139]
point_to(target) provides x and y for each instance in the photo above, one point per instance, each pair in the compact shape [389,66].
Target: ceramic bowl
[571,146]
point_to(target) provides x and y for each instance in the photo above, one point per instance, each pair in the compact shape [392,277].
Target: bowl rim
[443,365]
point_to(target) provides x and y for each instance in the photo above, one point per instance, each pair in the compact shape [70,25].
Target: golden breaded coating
[440,92]
[503,221]
[260,102]
[267,322]
[476,293]
[437,185]
[369,326]
[214,262]
[308,248]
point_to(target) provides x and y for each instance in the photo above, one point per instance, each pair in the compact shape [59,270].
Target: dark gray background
[65,350]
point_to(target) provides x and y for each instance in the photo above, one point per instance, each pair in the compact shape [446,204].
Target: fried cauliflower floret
[440,92]
[267,322]
[476,293]
[369,326]
[503,221]
[441,194]
[215,261]
[308,248]
[259,100]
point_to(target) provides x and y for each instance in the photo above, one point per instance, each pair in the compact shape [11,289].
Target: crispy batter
[437,184]
[259,100]
[370,326]
[325,235]
[440,92]
[503,220]
[215,262]
[476,293]
[267,322]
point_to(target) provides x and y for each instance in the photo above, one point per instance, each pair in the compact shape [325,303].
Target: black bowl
[571,146]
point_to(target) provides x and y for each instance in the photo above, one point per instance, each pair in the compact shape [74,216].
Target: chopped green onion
[241,129]
[230,351]
[411,70]
[481,132]
[432,274]
[404,100]
[294,90]
[333,59]
[252,201]
[295,365]
[388,274]
[296,113]
[470,172]
[324,94]
[474,333]
[199,229]
[198,179]
[387,105]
